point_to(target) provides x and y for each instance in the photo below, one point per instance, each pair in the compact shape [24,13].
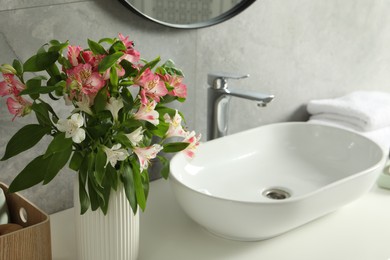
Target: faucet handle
[219,80]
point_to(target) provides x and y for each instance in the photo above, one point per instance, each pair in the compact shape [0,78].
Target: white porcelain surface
[322,167]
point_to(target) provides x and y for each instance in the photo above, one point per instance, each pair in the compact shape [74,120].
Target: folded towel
[380,136]
[364,110]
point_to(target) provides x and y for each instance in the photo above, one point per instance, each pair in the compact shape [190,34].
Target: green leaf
[165,166]
[130,123]
[171,69]
[83,195]
[42,113]
[127,99]
[168,99]
[96,48]
[58,46]
[175,147]
[95,192]
[109,61]
[128,182]
[39,90]
[112,176]
[145,183]
[106,194]
[107,40]
[24,139]
[53,71]
[162,110]
[98,130]
[33,84]
[40,61]
[117,46]
[76,160]
[138,186]
[56,162]
[31,175]
[122,138]
[150,65]
[160,130]
[59,144]
[93,195]
[42,49]
[100,162]
[18,66]
[100,100]
[113,77]
[54,42]
[130,70]
[64,62]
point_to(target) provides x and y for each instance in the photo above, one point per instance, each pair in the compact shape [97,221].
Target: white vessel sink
[260,183]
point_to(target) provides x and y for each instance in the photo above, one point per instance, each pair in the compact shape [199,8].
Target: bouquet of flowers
[120,119]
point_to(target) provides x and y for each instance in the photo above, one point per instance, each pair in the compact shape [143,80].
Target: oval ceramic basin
[260,183]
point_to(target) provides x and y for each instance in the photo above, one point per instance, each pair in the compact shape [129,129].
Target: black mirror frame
[221,18]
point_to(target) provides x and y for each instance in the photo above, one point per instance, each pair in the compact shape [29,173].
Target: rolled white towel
[363,110]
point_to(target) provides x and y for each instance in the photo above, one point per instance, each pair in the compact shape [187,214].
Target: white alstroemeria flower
[147,113]
[175,127]
[72,127]
[145,154]
[84,105]
[115,154]
[194,143]
[114,105]
[136,136]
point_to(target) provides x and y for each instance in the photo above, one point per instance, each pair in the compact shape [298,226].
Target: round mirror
[187,14]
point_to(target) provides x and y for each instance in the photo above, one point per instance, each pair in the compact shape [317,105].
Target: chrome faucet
[218,100]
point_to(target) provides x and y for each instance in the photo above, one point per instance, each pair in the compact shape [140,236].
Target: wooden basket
[33,241]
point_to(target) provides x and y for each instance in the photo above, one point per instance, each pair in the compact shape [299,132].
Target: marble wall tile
[297,50]
[12,4]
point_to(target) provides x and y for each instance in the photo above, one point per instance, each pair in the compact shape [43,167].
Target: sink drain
[276,194]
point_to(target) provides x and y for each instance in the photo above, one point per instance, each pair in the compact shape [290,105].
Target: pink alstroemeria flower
[175,127]
[151,86]
[120,71]
[131,54]
[83,78]
[73,54]
[179,89]
[147,113]
[194,143]
[91,58]
[18,106]
[125,40]
[10,85]
[145,154]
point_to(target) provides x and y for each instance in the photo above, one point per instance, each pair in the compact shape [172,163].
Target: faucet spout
[219,96]
[251,95]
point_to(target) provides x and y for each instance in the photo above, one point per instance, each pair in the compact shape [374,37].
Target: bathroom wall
[297,50]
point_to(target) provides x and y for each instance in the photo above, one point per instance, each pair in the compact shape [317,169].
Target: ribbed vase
[114,236]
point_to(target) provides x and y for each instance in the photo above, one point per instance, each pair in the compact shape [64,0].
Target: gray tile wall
[297,50]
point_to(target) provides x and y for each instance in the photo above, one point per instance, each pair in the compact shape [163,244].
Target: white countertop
[358,231]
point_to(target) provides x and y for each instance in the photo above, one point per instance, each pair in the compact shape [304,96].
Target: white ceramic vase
[4,216]
[114,236]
